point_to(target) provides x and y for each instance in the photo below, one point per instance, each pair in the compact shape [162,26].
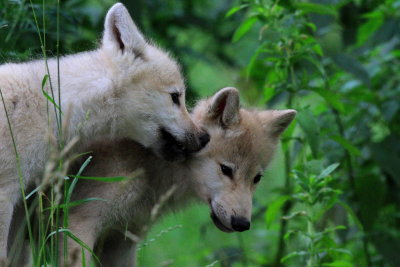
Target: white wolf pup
[223,175]
[131,88]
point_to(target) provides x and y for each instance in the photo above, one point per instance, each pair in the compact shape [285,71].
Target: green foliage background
[335,61]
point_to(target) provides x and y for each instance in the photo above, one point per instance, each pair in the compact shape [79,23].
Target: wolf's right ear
[224,107]
[120,31]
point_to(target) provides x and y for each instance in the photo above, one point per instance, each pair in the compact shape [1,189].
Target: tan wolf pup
[131,88]
[223,175]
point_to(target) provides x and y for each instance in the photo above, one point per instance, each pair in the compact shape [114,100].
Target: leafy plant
[316,196]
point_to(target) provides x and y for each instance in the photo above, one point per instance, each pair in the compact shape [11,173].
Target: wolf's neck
[87,93]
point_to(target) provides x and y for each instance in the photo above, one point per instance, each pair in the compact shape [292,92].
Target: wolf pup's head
[241,147]
[149,90]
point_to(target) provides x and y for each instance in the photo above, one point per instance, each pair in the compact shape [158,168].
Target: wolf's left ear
[121,32]
[275,122]
[224,107]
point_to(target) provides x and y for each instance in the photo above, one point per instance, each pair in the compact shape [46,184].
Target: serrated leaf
[311,129]
[244,28]
[328,170]
[346,144]
[274,209]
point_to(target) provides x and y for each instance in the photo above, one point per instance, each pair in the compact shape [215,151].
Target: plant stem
[288,190]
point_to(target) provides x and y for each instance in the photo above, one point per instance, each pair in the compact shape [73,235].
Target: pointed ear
[275,122]
[224,106]
[121,32]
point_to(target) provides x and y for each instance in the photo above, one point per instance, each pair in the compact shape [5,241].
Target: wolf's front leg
[118,250]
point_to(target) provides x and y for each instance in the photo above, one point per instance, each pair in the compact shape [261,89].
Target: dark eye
[226,170]
[257,178]
[175,98]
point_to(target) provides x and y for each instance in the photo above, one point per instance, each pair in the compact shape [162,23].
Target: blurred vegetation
[335,61]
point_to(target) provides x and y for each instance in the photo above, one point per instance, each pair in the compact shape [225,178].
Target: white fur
[245,144]
[124,85]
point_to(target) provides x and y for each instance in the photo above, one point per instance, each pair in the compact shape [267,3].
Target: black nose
[204,139]
[240,224]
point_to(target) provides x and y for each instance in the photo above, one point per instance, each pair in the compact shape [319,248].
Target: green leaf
[366,30]
[328,170]
[244,28]
[331,98]
[386,154]
[295,214]
[235,9]
[311,129]
[77,203]
[273,209]
[353,66]
[102,179]
[352,215]
[82,244]
[253,60]
[316,8]
[339,263]
[346,144]
[294,254]
[49,98]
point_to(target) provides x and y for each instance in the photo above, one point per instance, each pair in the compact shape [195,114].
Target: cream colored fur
[125,86]
[241,139]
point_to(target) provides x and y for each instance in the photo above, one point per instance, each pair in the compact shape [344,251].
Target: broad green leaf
[273,209]
[311,130]
[366,30]
[234,9]
[346,144]
[244,28]
[328,170]
[339,263]
[331,98]
[340,250]
[307,7]
[268,93]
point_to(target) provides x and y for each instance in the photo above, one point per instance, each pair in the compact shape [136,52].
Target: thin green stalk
[57,115]
[42,231]
[58,70]
[20,176]
[311,262]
